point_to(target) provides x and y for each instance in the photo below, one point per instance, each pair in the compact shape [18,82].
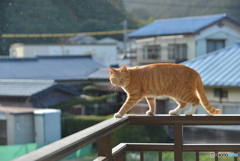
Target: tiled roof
[49,67]
[29,88]
[219,68]
[185,25]
[101,73]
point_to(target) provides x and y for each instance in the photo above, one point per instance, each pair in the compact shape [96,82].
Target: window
[231,109]
[152,52]
[213,45]
[220,93]
[177,51]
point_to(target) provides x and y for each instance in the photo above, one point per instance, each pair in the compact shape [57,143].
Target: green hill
[162,9]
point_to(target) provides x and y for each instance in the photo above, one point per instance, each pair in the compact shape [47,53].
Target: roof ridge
[7,58]
[63,56]
[223,15]
[35,81]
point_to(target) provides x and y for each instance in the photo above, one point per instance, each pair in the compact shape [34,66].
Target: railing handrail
[196,119]
[72,143]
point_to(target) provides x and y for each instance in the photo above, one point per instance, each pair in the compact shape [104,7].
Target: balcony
[101,133]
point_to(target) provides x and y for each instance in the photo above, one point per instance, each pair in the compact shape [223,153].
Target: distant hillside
[54,16]
[162,9]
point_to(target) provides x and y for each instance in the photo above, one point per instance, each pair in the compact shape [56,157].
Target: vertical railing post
[104,147]
[141,155]
[178,141]
[197,155]
[160,155]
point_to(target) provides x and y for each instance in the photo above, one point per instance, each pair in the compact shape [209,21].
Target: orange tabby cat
[179,82]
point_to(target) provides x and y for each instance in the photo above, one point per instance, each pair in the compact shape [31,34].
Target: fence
[102,134]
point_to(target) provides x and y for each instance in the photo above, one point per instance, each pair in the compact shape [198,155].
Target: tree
[66,16]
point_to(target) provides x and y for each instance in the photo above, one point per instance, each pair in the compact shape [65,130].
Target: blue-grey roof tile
[101,73]
[49,67]
[219,68]
[185,25]
[30,88]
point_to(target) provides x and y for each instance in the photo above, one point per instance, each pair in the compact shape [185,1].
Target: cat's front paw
[117,115]
[149,113]
[173,112]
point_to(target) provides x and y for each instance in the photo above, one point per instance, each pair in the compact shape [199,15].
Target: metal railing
[102,134]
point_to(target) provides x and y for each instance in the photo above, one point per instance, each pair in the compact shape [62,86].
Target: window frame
[178,51]
[150,55]
[215,41]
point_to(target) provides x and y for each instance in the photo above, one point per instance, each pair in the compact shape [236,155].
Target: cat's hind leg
[194,101]
[180,107]
[152,105]
[191,111]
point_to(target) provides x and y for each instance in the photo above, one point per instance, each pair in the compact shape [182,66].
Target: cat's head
[119,77]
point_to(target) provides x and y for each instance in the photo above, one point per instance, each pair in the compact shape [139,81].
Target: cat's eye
[114,79]
[122,78]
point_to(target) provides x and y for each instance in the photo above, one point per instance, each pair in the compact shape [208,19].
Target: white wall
[47,125]
[106,53]
[228,32]
[233,95]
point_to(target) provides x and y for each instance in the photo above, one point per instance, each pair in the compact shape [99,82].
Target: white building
[180,39]
[105,53]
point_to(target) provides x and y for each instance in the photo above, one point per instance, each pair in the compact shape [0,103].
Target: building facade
[180,39]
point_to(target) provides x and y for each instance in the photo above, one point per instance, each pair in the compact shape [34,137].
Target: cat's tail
[204,101]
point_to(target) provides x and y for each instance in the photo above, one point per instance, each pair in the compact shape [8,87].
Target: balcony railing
[102,134]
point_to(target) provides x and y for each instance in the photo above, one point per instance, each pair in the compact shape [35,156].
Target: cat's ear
[124,68]
[111,70]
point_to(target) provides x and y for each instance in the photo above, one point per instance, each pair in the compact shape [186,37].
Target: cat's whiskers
[115,88]
[112,88]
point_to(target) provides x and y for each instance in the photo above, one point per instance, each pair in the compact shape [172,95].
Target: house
[58,68]
[105,53]
[29,125]
[179,39]
[33,93]
[220,73]
[44,81]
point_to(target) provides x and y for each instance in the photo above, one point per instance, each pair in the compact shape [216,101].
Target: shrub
[139,134]
[74,123]
[130,133]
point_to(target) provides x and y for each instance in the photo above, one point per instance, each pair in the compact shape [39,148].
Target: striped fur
[179,82]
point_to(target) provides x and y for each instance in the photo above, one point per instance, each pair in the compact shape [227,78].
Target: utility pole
[124,23]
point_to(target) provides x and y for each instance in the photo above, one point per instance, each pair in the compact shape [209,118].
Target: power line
[65,34]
